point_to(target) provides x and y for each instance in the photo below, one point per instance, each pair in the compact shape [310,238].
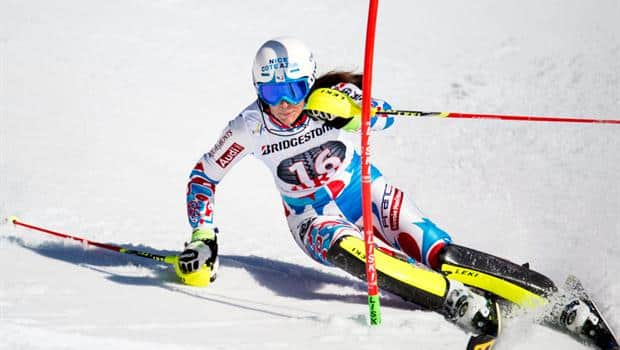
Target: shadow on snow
[283,278]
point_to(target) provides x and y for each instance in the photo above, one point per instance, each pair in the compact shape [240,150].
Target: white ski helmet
[283,59]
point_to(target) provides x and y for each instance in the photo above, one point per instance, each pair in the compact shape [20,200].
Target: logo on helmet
[275,63]
[281,59]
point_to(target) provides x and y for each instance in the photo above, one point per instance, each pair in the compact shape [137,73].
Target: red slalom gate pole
[371,271]
[170,259]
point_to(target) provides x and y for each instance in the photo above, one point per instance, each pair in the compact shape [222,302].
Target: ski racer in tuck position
[295,128]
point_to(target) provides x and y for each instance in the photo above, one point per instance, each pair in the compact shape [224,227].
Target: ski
[481,342]
[486,341]
[582,318]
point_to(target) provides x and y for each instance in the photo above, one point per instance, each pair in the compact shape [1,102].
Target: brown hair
[332,78]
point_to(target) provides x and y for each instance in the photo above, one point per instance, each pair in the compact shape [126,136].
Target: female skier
[303,128]
[316,168]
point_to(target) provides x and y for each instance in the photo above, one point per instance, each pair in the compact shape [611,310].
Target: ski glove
[336,109]
[202,250]
[351,124]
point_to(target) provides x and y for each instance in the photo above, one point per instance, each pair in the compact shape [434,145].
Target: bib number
[314,167]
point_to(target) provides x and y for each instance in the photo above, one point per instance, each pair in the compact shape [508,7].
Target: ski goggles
[293,92]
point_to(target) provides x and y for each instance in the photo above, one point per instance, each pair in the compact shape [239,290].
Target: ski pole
[402,113]
[328,104]
[169,259]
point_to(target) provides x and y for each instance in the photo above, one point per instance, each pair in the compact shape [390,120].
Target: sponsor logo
[353,91]
[390,207]
[231,153]
[258,129]
[278,63]
[295,141]
[188,255]
[275,63]
[220,143]
[397,201]
[463,272]
[357,252]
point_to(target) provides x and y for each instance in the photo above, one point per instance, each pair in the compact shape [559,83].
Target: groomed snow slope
[105,107]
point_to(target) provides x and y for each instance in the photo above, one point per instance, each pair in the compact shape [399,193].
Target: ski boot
[471,311]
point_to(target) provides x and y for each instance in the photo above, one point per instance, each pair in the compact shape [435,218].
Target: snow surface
[106,105]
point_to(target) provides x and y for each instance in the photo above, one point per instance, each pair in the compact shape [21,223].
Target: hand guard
[201,251]
[348,124]
[335,108]
[194,256]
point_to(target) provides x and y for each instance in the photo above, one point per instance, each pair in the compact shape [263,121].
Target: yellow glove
[335,108]
[197,264]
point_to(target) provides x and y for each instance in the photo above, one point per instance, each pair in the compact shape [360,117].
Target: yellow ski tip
[12,219]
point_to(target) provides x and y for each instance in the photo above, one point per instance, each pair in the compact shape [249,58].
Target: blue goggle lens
[292,92]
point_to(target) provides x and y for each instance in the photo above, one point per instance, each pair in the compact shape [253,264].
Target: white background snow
[106,105]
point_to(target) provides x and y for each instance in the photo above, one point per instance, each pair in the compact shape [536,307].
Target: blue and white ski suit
[316,168]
